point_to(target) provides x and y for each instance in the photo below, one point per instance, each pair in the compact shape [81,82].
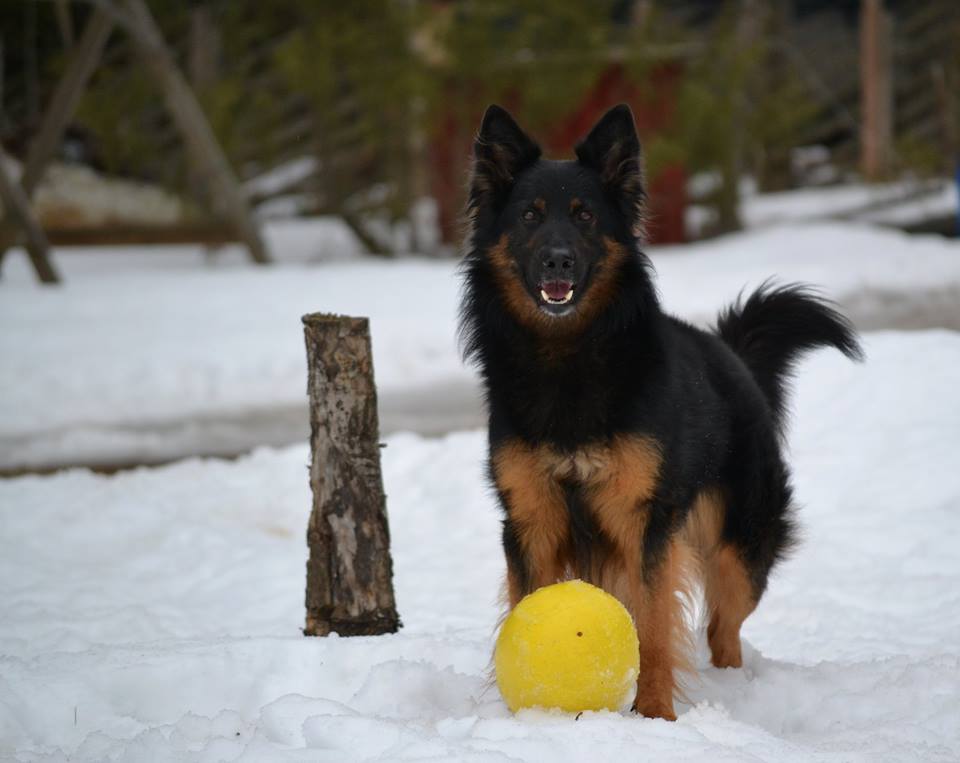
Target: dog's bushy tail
[775,326]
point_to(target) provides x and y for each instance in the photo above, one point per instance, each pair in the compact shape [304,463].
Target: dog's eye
[585,215]
[529,216]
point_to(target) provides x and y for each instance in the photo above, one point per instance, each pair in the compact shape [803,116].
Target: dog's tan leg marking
[665,637]
[620,490]
[730,600]
[537,509]
[727,588]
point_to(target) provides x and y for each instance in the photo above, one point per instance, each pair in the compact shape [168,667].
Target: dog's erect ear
[500,151]
[613,149]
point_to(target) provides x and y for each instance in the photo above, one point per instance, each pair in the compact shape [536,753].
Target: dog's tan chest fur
[616,479]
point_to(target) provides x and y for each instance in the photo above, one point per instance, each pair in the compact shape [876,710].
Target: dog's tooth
[550,300]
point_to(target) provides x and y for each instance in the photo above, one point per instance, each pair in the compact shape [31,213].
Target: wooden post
[18,208]
[80,65]
[193,125]
[350,571]
[876,90]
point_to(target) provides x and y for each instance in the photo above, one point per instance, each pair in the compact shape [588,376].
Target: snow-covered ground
[898,203]
[155,614]
[895,204]
[155,353]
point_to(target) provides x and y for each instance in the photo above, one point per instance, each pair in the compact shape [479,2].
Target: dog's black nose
[558,260]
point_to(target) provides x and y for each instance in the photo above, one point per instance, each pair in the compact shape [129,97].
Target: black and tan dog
[627,447]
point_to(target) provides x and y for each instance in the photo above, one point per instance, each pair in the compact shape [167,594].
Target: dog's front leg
[645,578]
[661,632]
[648,589]
[535,530]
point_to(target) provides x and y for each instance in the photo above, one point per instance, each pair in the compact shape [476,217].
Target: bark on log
[350,571]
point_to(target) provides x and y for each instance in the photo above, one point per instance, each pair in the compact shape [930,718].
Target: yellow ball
[568,645]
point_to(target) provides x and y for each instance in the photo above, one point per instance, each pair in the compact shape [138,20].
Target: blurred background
[364,111]
[197,175]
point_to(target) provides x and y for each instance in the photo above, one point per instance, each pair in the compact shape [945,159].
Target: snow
[897,203]
[74,195]
[862,268]
[282,177]
[155,614]
[153,353]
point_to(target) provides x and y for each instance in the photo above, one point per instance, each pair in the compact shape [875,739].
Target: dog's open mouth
[556,292]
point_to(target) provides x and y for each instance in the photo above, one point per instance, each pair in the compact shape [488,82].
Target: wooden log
[193,126]
[350,571]
[18,207]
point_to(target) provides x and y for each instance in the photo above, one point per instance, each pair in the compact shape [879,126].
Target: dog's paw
[723,659]
[726,652]
[654,709]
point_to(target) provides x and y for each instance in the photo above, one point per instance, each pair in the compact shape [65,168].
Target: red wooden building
[653,103]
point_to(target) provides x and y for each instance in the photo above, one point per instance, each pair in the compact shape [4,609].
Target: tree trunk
[80,65]
[876,90]
[18,207]
[193,126]
[354,222]
[64,21]
[350,571]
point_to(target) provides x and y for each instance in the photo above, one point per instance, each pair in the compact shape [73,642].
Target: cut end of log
[332,319]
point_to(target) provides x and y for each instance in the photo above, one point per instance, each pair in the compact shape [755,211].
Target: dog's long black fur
[608,362]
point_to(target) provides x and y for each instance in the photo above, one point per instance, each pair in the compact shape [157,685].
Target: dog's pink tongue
[556,289]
